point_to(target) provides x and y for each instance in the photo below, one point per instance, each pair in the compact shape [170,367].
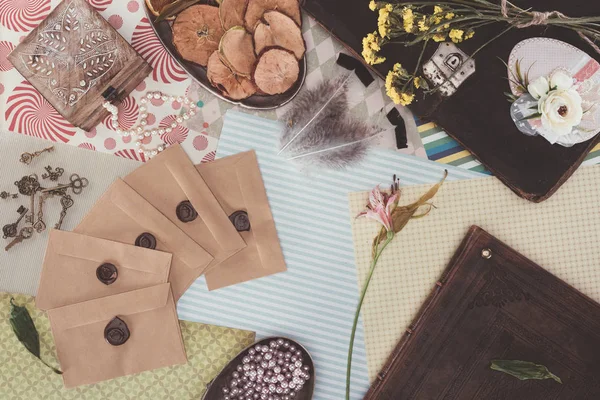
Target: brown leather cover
[478,114]
[505,307]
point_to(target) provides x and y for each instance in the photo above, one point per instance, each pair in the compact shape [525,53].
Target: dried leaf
[175,8]
[523,370]
[24,329]
[401,215]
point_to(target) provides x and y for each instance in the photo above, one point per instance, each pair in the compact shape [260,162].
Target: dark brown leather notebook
[478,115]
[493,303]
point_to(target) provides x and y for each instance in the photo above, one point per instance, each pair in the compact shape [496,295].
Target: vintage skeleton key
[66,202]
[76,184]
[40,225]
[10,230]
[30,217]
[24,234]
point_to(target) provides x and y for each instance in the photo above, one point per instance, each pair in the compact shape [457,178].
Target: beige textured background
[561,234]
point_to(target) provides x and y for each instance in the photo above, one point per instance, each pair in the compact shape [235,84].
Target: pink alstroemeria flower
[380,207]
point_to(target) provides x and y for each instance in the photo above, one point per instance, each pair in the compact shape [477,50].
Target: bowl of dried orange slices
[247,52]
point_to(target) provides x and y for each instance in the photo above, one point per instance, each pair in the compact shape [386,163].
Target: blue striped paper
[315,300]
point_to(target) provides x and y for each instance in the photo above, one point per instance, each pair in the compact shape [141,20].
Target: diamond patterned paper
[23,377]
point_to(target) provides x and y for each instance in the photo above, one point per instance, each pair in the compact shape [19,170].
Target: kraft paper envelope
[124,216]
[170,179]
[85,355]
[237,183]
[70,269]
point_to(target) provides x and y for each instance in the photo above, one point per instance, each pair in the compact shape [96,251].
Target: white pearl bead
[160,148]
[157,96]
[114,118]
[185,116]
[172,98]
[168,130]
[174,124]
[154,132]
[149,96]
[147,153]
[143,100]
[193,105]
[132,132]
[192,112]
[147,134]
[142,109]
[164,98]
[140,151]
[139,129]
[143,122]
[161,131]
[141,137]
[154,152]
[179,99]
[179,120]
[138,144]
[186,101]
[119,131]
[143,115]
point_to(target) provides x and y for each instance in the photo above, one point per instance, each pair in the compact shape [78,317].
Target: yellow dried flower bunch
[419,22]
[411,23]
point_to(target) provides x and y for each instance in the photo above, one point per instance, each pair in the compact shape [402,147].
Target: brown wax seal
[146,240]
[116,332]
[186,212]
[240,220]
[107,273]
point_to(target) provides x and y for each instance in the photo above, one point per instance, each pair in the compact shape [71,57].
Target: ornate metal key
[66,202]
[76,184]
[53,175]
[28,186]
[27,158]
[40,225]
[24,234]
[10,230]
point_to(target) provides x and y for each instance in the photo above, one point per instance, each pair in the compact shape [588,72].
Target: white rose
[561,111]
[539,88]
[560,80]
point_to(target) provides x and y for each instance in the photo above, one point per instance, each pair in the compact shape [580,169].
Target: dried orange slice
[197,32]
[234,86]
[277,29]
[156,6]
[276,71]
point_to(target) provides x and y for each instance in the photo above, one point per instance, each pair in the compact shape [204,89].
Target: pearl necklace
[140,131]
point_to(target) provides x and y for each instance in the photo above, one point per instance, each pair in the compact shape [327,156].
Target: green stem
[417,67]
[378,251]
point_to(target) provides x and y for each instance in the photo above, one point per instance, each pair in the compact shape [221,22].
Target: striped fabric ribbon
[315,300]
[442,148]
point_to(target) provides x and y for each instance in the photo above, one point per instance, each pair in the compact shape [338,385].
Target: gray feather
[333,139]
[327,100]
[334,143]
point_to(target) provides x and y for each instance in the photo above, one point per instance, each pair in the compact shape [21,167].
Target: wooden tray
[198,73]
[478,116]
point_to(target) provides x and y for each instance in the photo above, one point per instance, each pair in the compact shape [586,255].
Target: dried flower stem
[378,251]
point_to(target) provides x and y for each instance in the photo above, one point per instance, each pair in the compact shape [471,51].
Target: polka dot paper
[24,110]
[560,234]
